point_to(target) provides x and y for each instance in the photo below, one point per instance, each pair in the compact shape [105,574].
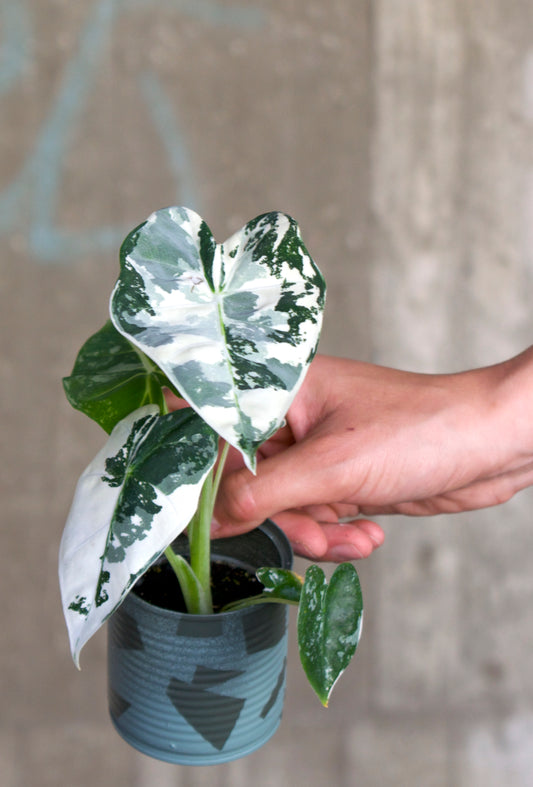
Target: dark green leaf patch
[101,595]
[250,373]
[207,252]
[80,605]
[297,314]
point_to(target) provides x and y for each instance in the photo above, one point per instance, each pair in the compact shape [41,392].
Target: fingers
[307,537]
[332,542]
[352,541]
[327,542]
[174,402]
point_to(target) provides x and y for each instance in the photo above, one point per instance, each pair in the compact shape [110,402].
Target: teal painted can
[202,689]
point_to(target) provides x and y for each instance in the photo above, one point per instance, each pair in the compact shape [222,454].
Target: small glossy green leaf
[111,378]
[133,500]
[280,583]
[233,326]
[330,619]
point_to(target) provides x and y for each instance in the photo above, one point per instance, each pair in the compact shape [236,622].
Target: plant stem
[199,532]
[199,601]
[195,578]
[200,528]
[220,468]
[163,406]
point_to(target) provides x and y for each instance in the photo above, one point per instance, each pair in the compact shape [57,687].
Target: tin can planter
[202,689]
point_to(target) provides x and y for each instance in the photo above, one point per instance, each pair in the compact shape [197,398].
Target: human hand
[363,439]
[315,532]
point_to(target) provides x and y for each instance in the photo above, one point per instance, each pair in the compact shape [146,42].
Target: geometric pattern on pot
[132,638]
[214,715]
[189,696]
[275,692]
[117,704]
[202,629]
[233,326]
[204,709]
[127,509]
[271,634]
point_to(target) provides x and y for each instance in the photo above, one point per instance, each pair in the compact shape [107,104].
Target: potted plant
[231,329]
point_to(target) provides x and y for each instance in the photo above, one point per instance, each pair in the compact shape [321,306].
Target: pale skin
[363,440]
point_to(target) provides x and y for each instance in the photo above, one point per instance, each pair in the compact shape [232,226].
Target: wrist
[509,398]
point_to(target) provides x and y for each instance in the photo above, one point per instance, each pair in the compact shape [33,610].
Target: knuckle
[239,502]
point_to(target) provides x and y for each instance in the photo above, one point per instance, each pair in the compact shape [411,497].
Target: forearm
[509,398]
[471,440]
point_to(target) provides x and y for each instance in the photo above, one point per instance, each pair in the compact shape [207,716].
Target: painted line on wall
[29,203]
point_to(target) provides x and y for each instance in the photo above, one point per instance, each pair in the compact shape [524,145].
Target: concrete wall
[399,135]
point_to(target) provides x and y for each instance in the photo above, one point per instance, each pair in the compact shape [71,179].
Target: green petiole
[195,578]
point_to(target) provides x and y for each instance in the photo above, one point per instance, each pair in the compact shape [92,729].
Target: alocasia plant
[231,328]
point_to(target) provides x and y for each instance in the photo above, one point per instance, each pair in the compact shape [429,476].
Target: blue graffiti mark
[178,156]
[39,180]
[14,52]
[210,12]
[45,241]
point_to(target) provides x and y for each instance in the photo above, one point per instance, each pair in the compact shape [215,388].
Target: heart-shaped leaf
[111,378]
[233,326]
[280,583]
[330,619]
[133,500]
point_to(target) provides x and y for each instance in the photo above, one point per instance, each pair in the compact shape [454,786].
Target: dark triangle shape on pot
[212,715]
[117,704]
[272,630]
[205,677]
[131,638]
[275,692]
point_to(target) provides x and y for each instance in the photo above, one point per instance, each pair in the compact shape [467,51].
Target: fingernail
[344,552]
[304,551]
[215,527]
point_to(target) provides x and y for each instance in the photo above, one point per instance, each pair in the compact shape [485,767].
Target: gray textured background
[399,135]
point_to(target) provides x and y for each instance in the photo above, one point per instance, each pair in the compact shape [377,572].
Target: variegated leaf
[132,501]
[233,326]
[112,378]
[330,621]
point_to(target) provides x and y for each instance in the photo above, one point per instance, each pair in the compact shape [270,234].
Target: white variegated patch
[233,326]
[114,533]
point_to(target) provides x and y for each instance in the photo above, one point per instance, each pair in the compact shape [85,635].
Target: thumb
[293,478]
